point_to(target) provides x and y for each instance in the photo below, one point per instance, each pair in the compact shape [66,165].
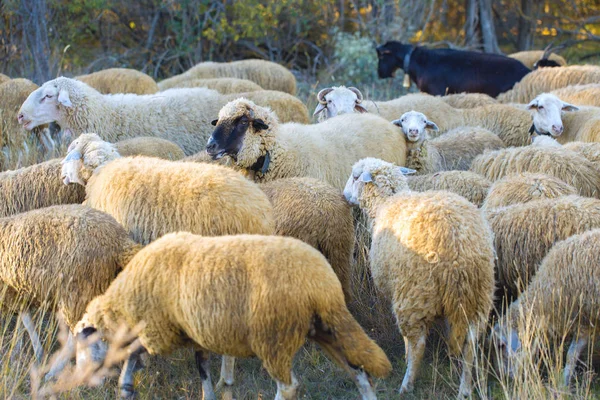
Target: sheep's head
[339,100]
[90,346]
[414,124]
[373,180]
[507,345]
[242,132]
[84,155]
[546,112]
[51,102]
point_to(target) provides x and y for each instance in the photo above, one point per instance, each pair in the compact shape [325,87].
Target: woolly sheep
[266,74]
[525,187]
[591,151]
[560,163]
[563,297]
[221,85]
[120,80]
[582,95]
[546,112]
[438,236]
[150,147]
[468,100]
[525,232]
[4,78]
[530,57]
[338,100]
[471,186]
[151,197]
[326,151]
[287,107]
[548,79]
[544,141]
[291,289]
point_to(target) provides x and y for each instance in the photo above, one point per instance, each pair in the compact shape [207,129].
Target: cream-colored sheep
[581,95]
[242,296]
[151,197]
[254,138]
[591,151]
[470,185]
[468,100]
[120,80]
[288,108]
[432,255]
[566,165]
[268,75]
[4,78]
[221,85]
[548,79]
[526,187]
[563,300]
[150,147]
[530,57]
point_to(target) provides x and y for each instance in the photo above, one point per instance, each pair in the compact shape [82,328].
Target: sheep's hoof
[127,392]
[405,389]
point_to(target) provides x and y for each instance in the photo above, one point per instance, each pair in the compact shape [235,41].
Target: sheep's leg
[64,357]
[226,380]
[575,349]
[364,386]
[466,385]
[33,336]
[132,364]
[287,392]
[415,348]
[203,365]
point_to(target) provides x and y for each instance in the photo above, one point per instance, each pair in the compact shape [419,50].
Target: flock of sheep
[208,208]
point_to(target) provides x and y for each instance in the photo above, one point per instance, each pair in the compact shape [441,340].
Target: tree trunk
[488,31]
[526,25]
[35,32]
[472,38]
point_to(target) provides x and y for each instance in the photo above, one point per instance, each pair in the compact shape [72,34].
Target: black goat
[445,71]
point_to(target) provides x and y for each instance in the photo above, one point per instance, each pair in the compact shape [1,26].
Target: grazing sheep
[530,57]
[432,256]
[471,186]
[560,163]
[150,147]
[4,78]
[151,197]
[253,137]
[266,74]
[221,85]
[548,79]
[581,95]
[563,299]
[525,187]
[240,296]
[316,213]
[338,100]
[120,80]
[525,232]
[287,107]
[468,100]
[591,151]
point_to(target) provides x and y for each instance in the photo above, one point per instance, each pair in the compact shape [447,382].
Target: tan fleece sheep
[468,100]
[266,74]
[120,80]
[288,108]
[4,78]
[151,197]
[432,256]
[580,95]
[530,57]
[563,300]
[560,163]
[469,185]
[525,232]
[150,147]
[591,151]
[548,79]
[240,296]
[221,85]
[253,137]
[526,187]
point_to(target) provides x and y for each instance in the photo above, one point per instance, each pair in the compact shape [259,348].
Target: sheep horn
[321,95]
[358,94]
[547,51]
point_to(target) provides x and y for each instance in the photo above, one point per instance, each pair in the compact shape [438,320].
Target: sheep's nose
[413,131]
[557,129]
[20,118]
[211,145]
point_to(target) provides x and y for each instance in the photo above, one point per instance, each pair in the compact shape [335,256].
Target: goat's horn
[358,94]
[321,95]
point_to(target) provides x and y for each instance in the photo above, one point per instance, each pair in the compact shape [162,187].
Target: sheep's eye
[329,101]
[540,107]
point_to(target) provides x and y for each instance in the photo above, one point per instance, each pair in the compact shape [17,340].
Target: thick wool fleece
[470,185]
[468,100]
[151,197]
[526,187]
[580,95]
[566,165]
[150,147]
[591,151]
[530,57]
[325,151]
[582,125]
[221,85]
[288,108]
[524,233]
[63,256]
[120,80]
[237,295]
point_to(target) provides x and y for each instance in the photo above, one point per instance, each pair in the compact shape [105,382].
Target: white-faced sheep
[526,187]
[432,255]
[563,300]
[525,232]
[530,57]
[468,100]
[151,197]
[581,95]
[338,100]
[546,110]
[267,74]
[566,165]
[548,79]
[120,80]
[240,296]
[253,137]
[469,185]
[221,85]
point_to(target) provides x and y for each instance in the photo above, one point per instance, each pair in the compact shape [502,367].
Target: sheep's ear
[73,155]
[366,177]
[214,122]
[431,125]
[407,171]
[569,107]
[259,124]
[360,108]
[320,108]
[397,122]
[63,98]
[533,105]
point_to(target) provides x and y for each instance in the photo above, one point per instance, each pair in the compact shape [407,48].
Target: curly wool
[530,57]
[468,100]
[238,295]
[580,95]
[469,185]
[591,151]
[120,80]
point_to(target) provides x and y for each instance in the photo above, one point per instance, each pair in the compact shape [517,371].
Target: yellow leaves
[132,24]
